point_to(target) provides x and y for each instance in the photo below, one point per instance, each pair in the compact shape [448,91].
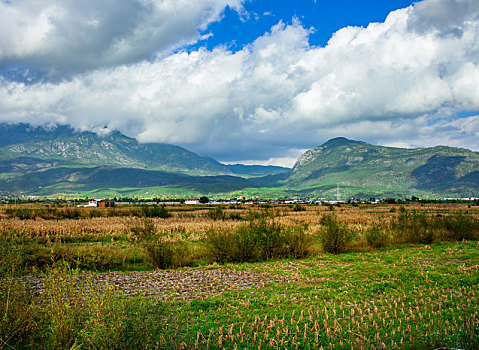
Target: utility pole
[337,192]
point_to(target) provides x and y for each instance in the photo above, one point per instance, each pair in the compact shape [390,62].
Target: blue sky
[326,17]
[253,81]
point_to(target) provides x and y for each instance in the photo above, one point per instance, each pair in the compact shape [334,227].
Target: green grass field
[418,297]
[406,295]
[422,297]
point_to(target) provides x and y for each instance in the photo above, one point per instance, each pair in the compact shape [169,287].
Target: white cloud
[443,17]
[397,82]
[287,162]
[62,36]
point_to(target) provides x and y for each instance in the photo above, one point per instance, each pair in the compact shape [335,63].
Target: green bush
[89,257]
[222,246]
[298,207]
[94,213]
[235,216]
[18,312]
[458,226]
[30,214]
[43,213]
[299,242]
[74,311]
[377,237]
[262,238]
[412,227]
[153,211]
[79,312]
[68,213]
[12,254]
[62,299]
[334,236]
[162,253]
[104,318]
[217,213]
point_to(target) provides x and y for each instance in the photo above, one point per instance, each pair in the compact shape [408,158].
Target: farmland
[173,277]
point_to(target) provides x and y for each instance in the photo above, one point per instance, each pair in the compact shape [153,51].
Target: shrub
[43,213]
[412,227]
[12,254]
[217,213]
[95,213]
[222,246]
[162,253]
[235,216]
[63,303]
[105,314]
[70,214]
[334,236]
[18,312]
[154,211]
[261,238]
[299,242]
[376,237]
[88,257]
[79,312]
[458,226]
[143,230]
[298,207]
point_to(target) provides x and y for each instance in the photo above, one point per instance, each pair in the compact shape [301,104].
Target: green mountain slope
[62,144]
[362,169]
[71,180]
[257,170]
[253,170]
[61,161]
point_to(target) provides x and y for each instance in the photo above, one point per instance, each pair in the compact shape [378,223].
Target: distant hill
[69,180]
[253,170]
[361,169]
[62,161]
[257,170]
[35,147]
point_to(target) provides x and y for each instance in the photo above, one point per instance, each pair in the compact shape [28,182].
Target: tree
[204,200]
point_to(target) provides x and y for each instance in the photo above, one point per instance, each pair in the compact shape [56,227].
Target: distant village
[108,203]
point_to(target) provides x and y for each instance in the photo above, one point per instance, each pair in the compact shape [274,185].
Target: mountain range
[59,161]
[362,170]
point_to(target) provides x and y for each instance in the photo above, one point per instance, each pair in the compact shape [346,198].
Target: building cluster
[100,203]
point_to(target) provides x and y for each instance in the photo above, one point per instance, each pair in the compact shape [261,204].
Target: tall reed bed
[224,234]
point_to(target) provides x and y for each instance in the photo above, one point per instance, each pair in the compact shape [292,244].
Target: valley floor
[422,296]
[85,279]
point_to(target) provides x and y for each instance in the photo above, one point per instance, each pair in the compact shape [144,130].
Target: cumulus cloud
[443,17]
[400,81]
[66,36]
